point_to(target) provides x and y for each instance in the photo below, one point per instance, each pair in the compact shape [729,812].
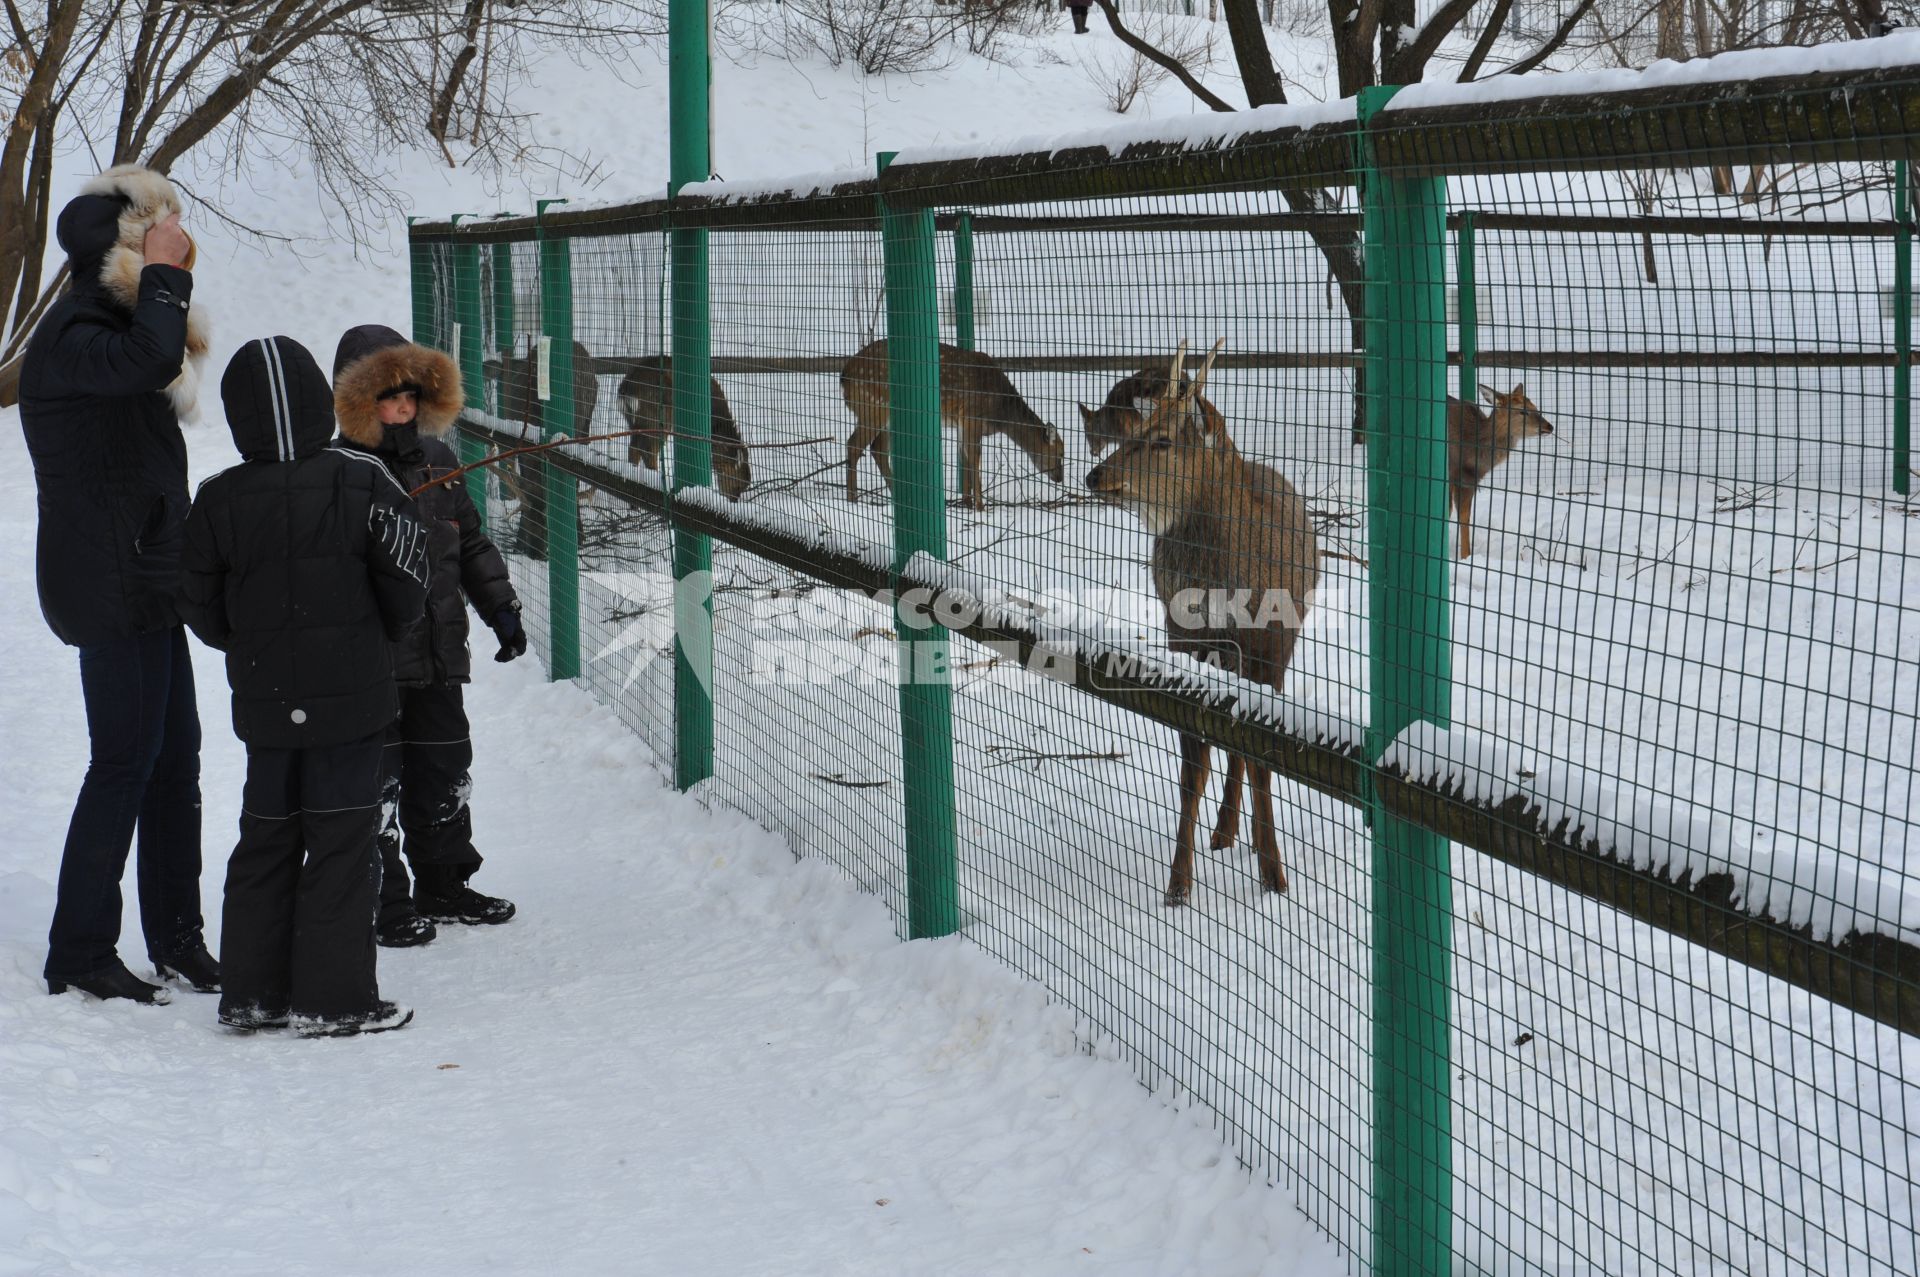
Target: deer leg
[1227,827]
[970,487]
[865,436]
[1195,762]
[883,456]
[1463,511]
[1266,846]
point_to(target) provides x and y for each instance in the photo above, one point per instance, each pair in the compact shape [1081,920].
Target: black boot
[461,903]
[194,968]
[403,929]
[114,982]
[384,1016]
[441,893]
[249,1019]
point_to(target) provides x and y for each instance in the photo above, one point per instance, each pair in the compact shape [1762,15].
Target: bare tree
[1374,42]
[329,84]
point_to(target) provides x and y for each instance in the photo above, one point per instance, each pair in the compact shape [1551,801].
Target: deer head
[1515,417]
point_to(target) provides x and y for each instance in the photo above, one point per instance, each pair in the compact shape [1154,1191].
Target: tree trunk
[440,119]
[23,236]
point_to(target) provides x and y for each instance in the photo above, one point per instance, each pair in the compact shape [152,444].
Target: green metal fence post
[427,327]
[920,525]
[1902,332]
[690,74]
[562,491]
[1410,669]
[1469,314]
[467,319]
[530,536]
[963,282]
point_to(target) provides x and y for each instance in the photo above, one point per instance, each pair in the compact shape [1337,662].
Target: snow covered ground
[688,1054]
[746,1034]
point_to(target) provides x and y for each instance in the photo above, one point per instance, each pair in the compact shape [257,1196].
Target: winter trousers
[302,886]
[144,728]
[425,784]
[1079,18]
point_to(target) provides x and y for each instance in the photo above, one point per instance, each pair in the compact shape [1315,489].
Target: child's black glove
[512,635]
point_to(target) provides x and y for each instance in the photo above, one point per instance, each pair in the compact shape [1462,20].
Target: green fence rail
[1599,950]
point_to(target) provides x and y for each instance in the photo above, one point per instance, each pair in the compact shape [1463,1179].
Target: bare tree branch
[1412,62]
[1145,50]
[1484,45]
[20,36]
[1552,43]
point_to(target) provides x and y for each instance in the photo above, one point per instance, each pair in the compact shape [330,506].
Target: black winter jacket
[302,563]
[108,456]
[372,359]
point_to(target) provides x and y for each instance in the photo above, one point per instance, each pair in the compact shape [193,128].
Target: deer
[975,398]
[1124,412]
[520,384]
[646,401]
[1478,440]
[1234,534]
[520,401]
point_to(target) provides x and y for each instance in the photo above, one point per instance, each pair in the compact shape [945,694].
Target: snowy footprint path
[689,1054]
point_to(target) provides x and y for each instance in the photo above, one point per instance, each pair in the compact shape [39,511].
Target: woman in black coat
[107,372]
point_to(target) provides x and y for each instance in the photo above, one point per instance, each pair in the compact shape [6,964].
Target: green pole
[562,494]
[467,318]
[428,330]
[530,537]
[501,256]
[963,282]
[920,525]
[1410,669]
[1469,314]
[1902,332]
[689,69]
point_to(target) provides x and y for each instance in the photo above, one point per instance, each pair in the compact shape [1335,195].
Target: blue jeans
[144,727]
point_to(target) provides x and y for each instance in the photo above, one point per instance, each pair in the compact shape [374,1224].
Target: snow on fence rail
[1682,675]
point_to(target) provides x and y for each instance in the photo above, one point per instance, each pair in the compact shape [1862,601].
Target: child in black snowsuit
[301,564]
[395,401]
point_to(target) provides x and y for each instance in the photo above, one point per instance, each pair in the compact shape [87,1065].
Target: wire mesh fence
[1529,498]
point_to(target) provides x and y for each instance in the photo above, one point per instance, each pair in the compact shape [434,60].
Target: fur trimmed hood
[373,358]
[135,199]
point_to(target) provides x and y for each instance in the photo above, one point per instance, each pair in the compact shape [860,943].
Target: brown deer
[975,397]
[520,401]
[1235,562]
[646,401]
[1480,439]
[1124,414]
[520,384]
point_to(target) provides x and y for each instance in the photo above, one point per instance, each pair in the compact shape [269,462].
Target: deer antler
[1179,357]
[1200,378]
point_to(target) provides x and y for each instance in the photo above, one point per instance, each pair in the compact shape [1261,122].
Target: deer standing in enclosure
[1480,439]
[1235,562]
[1123,415]
[520,401]
[975,398]
[646,401]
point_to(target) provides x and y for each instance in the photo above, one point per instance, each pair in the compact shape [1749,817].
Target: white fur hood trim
[151,199]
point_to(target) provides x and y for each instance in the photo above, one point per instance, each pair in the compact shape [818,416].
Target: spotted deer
[1124,414]
[1479,439]
[975,398]
[1235,561]
[646,401]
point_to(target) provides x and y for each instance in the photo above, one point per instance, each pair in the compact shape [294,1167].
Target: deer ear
[1489,394]
[1519,390]
[1086,413]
